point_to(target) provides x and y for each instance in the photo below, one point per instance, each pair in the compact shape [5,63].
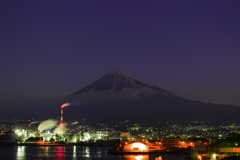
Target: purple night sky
[54,48]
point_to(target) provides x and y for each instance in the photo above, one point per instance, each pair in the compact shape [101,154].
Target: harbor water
[73,153]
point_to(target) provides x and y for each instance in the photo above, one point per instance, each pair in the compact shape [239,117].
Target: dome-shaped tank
[136,147]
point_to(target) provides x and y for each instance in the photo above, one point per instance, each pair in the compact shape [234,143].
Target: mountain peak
[116,80]
[118,73]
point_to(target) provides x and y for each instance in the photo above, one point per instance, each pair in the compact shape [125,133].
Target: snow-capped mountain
[117,96]
[117,81]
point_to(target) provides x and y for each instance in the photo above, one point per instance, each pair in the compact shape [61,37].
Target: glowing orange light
[136,157]
[125,134]
[138,146]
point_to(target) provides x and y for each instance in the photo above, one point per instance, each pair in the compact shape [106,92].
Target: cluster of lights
[21,133]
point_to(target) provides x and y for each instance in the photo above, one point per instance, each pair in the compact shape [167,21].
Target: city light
[214,156]
[199,157]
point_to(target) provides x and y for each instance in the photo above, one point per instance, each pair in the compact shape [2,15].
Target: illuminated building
[136,147]
[171,142]
[213,153]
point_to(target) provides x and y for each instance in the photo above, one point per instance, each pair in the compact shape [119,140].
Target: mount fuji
[116,80]
[117,96]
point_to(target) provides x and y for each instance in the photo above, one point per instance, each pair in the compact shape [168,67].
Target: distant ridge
[119,97]
[116,80]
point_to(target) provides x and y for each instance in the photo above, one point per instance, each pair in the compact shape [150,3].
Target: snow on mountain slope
[118,81]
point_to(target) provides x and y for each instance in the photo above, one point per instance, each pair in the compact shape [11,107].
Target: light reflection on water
[60,151]
[99,153]
[85,152]
[137,157]
[73,153]
[20,152]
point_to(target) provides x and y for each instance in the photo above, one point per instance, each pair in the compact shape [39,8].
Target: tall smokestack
[61,116]
[61,112]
